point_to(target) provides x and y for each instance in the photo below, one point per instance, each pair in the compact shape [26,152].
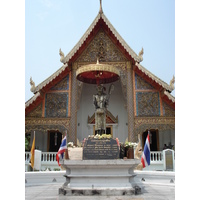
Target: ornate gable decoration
[37,112]
[103,48]
[62,85]
[140,83]
[110,119]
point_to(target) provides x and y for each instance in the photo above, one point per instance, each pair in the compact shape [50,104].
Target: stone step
[99,176]
[101,192]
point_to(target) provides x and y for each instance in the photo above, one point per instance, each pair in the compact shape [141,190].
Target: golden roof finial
[100,10]
[97,60]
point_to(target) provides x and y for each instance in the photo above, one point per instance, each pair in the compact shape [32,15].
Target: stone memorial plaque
[169,160]
[100,149]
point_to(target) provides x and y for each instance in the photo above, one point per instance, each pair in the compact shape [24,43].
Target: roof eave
[169,96]
[154,78]
[122,41]
[50,78]
[32,99]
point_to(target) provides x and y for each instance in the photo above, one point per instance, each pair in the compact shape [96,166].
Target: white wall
[116,107]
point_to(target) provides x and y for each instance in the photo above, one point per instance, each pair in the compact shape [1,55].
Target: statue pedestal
[100,177]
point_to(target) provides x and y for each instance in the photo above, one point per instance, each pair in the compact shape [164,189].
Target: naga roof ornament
[62,56]
[141,53]
[32,83]
[172,83]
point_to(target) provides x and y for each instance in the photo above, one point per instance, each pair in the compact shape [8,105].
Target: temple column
[130,103]
[74,100]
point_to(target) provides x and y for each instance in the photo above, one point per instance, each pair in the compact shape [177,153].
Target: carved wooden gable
[37,112]
[62,85]
[148,101]
[147,98]
[56,100]
[101,46]
[168,111]
[141,84]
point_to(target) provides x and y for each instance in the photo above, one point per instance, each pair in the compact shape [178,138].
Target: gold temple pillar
[74,101]
[130,103]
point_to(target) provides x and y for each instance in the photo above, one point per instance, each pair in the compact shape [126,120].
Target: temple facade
[140,101]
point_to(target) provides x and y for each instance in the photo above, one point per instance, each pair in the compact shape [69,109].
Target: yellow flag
[32,152]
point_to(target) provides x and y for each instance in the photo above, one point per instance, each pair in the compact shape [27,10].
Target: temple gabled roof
[72,55]
[99,17]
[100,21]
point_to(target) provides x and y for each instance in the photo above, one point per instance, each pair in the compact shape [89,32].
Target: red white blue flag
[61,150]
[146,153]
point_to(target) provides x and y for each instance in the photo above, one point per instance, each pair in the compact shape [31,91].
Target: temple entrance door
[109,130]
[54,138]
[154,140]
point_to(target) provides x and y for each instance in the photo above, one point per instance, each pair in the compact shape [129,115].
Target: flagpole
[145,159]
[34,154]
[66,150]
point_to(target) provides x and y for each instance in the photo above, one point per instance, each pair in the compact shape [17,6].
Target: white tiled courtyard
[156,185]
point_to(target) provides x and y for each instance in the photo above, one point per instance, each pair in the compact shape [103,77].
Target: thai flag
[61,150]
[146,153]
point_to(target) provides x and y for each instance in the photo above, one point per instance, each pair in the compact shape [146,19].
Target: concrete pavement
[157,186]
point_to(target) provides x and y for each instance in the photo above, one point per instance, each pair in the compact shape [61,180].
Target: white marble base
[102,176]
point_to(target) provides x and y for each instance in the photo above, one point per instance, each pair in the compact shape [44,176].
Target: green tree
[27,142]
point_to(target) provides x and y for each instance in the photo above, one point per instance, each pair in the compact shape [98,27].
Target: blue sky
[52,24]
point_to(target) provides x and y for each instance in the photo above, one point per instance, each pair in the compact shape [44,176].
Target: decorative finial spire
[97,60]
[100,10]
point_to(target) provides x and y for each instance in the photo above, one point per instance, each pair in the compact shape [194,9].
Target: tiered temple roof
[101,22]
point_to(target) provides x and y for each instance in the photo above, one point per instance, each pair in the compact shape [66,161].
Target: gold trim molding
[153,120]
[97,67]
[48,121]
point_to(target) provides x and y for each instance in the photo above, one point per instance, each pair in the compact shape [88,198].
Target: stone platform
[101,177]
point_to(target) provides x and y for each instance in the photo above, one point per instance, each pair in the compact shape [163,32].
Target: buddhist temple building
[139,102]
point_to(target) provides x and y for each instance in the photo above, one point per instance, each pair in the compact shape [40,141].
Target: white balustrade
[27,157]
[157,161]
[48,160]
[156,156]
[48,157]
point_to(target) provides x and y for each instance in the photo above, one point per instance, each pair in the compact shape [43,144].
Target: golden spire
[100,9]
